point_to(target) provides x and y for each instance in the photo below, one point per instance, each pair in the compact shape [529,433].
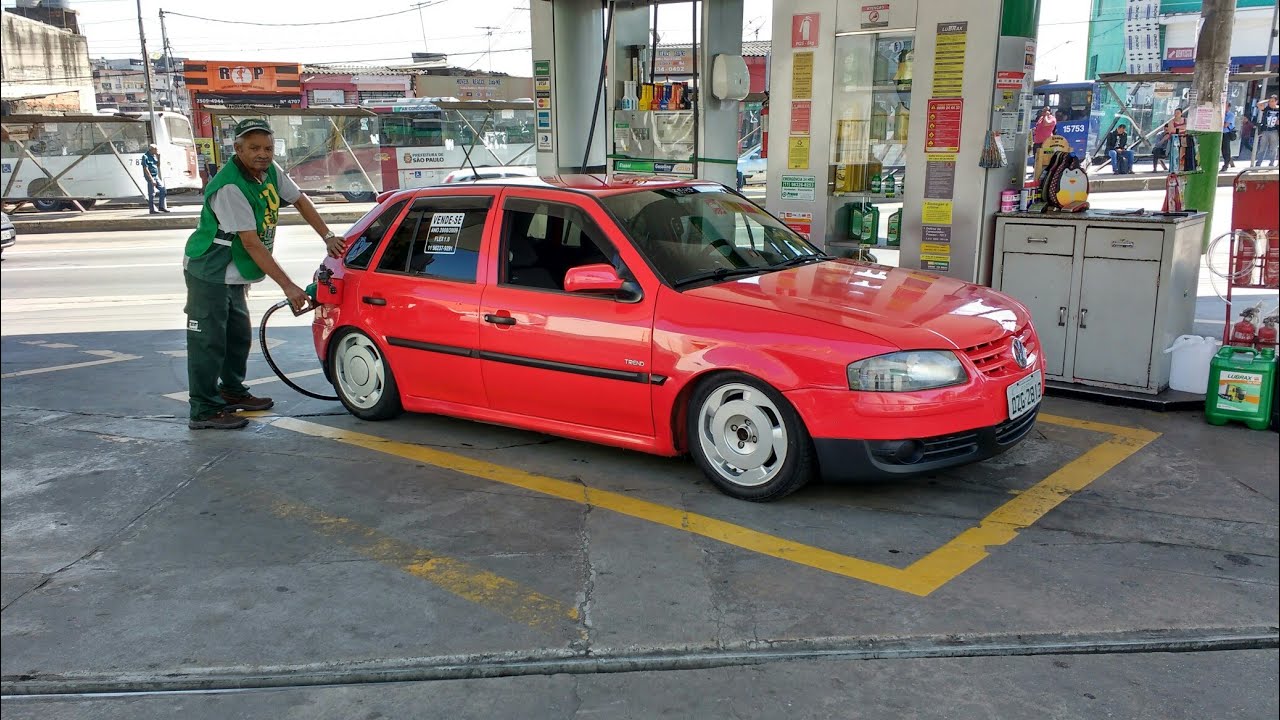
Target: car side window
[362,248]
[439,238]
[541,241]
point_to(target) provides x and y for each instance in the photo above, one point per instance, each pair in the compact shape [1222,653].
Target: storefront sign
[1180,53]
[801,222]
[801,113]
[804,30]
[797,153]
[802,75]
[799,187]
[942,125]
[328,97]
[673,61]
[948,59]
[875,16]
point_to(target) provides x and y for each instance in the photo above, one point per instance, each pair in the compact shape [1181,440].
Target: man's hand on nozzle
[298,298]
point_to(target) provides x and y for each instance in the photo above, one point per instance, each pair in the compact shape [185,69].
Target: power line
[415,8]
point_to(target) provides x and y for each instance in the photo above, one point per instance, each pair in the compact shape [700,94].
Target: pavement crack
[42,583]
[585,606]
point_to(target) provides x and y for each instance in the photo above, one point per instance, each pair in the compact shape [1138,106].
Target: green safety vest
[263,197]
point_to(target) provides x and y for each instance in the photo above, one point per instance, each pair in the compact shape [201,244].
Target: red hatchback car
[671,317]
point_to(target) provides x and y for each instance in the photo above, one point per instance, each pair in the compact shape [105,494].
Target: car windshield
[703,233]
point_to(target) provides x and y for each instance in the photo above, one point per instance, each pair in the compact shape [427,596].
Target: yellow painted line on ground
[920,578]
[109,356]
[489,590]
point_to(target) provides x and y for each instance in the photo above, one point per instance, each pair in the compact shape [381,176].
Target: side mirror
[600,278]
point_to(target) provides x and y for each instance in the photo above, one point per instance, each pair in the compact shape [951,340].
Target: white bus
[50,159]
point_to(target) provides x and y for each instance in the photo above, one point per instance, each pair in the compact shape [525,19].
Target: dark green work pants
[218,339]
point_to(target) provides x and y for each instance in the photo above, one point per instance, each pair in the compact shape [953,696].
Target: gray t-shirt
[235,215]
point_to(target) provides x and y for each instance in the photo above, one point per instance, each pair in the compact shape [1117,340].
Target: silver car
[8,233]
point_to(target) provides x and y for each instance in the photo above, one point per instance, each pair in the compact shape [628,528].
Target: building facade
[1178,22]
[121,85]
[43,68]
[353,84]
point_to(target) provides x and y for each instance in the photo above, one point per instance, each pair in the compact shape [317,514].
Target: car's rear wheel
[363,378]
[747,439]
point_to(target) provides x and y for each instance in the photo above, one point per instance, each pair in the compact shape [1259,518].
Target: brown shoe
[223,420]
[246,402]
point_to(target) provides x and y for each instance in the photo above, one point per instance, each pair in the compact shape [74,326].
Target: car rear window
[364,246]
[439,238]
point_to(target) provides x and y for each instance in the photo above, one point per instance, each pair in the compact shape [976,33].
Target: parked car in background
[8,233]
[750,165]
[489,172]
[671,317]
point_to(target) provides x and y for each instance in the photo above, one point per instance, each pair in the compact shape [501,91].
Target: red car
[671,317]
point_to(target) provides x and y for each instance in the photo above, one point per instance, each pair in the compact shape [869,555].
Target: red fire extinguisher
[1271,264]
[1246,252]
[1243,332]
[1267,333]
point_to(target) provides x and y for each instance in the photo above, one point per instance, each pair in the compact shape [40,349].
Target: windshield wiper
[801,260]
[717,274]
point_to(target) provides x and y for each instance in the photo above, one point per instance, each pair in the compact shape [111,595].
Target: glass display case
[871,110]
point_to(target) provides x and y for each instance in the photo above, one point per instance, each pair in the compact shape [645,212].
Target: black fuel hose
[266,353]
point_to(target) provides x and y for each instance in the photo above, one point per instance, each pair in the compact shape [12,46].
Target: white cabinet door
[1043,284]
[1116,322]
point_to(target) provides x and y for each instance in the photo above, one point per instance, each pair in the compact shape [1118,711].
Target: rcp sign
[241,75]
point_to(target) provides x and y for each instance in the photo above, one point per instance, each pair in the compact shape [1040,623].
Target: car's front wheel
[747,439]
[362,377]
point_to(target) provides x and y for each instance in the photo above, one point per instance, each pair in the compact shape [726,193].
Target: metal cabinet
[1106,295]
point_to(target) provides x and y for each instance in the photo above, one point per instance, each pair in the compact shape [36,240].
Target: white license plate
[1023,395]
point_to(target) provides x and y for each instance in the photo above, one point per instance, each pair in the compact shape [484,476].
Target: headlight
[907,371]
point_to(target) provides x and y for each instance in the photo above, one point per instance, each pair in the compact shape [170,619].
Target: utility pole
[167,50]
[146,65]
[488,31]
[1213,61]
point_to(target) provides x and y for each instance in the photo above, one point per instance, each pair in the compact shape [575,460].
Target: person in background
[155,182]
[1228,136]
[1160,151]
[1118,150]
[1043,129]
[1268,130]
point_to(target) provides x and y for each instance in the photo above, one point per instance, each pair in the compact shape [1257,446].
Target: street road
[125,280]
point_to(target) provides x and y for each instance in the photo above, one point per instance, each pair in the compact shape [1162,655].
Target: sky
[463,29]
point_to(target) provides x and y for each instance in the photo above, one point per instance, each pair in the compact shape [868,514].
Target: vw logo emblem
[1020,353]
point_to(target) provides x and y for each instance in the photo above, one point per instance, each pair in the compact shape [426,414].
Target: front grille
[948,447]
[995,359]
[1011,431]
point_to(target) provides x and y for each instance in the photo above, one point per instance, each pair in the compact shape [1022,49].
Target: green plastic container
[1240,387]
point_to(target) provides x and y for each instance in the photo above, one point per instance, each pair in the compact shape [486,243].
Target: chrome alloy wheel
[361,371]
[742,434]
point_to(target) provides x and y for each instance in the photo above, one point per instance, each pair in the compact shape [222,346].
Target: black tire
[737,404]
[48,205]
[354,193]
[354,362]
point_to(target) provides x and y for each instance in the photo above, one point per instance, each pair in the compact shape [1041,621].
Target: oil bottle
[895,229]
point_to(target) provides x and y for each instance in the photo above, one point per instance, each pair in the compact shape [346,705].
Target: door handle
[370,300]
[1084,314]
[1062,316]
[499,319]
